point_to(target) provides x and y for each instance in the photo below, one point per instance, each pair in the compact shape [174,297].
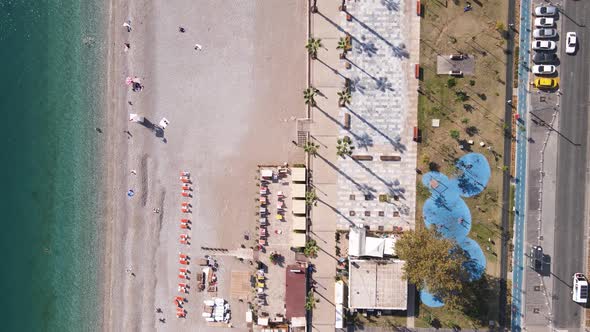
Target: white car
[543,69]
[544,45]
[579,288]
[571,41]
[544,22]
[544,33]
[545,11]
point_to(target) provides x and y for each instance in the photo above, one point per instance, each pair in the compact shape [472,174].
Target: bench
[346,121]
[362,157]
[391,158]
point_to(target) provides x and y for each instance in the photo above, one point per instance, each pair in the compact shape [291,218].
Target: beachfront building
[295,295]
[377,285]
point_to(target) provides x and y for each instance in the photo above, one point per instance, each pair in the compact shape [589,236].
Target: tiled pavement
[383,115]
[385,37]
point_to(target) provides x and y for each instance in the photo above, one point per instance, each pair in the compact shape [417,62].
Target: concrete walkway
[324,131]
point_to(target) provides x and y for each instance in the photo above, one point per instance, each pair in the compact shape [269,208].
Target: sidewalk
[324,131]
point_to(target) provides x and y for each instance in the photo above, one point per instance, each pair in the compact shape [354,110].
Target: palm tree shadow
[356,85]
[396,143]
[367,48]
[364,141]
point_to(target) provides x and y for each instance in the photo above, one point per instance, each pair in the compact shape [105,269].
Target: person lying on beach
[198,47]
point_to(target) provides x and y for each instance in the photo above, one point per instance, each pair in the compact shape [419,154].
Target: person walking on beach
[127,25]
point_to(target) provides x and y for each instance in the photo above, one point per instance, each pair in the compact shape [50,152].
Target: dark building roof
[295,291]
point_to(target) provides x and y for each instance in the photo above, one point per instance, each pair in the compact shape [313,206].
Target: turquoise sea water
[52,56]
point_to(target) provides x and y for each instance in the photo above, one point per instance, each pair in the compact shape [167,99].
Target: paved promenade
[385,47]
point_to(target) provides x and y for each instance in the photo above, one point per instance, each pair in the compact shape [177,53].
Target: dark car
[537,258]
[542,57]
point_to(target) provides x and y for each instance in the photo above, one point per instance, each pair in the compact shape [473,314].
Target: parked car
[458,56]
[543,57]
[455,73]
[545,11]
[544,22]
[571,41]
[579,288]
[536,258]
[544,33]
[546,83]
[544,45]
[543,69]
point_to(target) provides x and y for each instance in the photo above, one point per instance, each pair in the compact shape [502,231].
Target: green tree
[310,300]
[312,46]
[311,148]
[451,82]
[310,197]
[454,134]
[433,262]
[309,95]
[274,257]
[465,120]
[344,97]
[461,96]
[311,249]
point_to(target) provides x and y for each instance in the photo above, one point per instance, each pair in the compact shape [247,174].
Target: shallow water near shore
[51,81]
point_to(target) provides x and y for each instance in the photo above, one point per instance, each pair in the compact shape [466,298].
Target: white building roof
[377,284]
[299,223]
[298,190]
[299,206]
[297,240]
[299,174]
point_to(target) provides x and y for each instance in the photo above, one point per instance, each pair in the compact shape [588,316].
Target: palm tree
[310,197]
[343,146]
[309,94]
[312,46]
[310,301]
[311,249]
[344,45]
[344,98]
[311,148]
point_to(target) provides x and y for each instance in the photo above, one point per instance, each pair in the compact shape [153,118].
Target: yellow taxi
[546,83]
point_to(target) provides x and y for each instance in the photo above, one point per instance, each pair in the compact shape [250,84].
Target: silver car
[544,45]
[544,22]
[544,33]
[545,11]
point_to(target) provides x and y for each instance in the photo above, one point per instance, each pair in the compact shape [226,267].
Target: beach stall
[298,190]
[299,223]
[266,173]
[299,206]
[299,174]
[136,118]
[298,240]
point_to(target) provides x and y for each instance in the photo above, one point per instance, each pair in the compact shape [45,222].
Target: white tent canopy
[359,244]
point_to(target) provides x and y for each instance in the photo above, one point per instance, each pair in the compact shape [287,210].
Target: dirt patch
[471,112]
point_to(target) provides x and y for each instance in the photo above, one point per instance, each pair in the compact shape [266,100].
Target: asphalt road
[569,252]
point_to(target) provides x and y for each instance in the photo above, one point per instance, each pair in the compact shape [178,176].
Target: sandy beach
[232,105]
